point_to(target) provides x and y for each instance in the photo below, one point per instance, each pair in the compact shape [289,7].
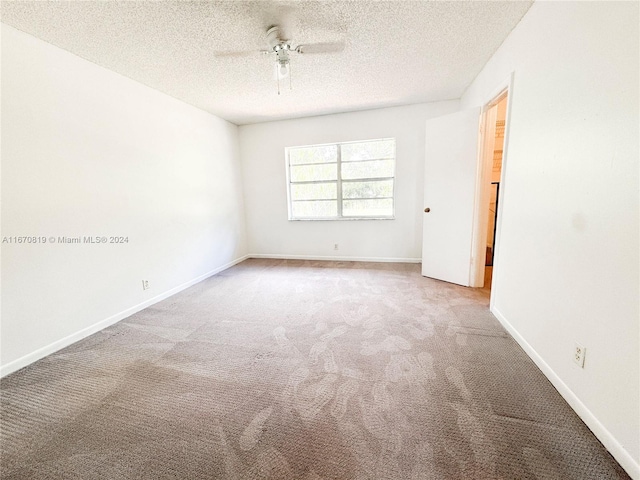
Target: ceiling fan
[281,48]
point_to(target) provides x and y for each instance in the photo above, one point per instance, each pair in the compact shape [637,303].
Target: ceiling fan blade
[238,53]
[327,47]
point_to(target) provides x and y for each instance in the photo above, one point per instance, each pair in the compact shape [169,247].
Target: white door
[450,173]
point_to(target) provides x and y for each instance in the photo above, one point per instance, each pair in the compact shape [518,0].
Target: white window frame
[339,181]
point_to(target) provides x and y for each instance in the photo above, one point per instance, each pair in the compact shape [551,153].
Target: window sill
[333,219]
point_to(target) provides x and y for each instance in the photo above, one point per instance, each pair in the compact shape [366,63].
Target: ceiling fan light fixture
[283,69]
[280,46]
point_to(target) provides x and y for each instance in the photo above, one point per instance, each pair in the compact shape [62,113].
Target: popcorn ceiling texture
[395,52]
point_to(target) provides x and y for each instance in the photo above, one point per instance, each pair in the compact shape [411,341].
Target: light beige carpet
[298,370]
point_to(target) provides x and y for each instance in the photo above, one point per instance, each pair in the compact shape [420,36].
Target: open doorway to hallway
[496,113]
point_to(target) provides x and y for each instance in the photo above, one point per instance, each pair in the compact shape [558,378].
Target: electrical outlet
[145,284]
[335,246]
[578,354]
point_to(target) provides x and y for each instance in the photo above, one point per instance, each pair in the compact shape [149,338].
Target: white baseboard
[96,327]
[614,447]
[335,258]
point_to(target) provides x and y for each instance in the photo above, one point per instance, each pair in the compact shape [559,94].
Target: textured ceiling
[395,52]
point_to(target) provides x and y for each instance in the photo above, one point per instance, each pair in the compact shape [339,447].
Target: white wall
[86,151]
[270,233]
[567,266]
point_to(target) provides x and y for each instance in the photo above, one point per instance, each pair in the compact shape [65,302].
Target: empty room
[320,240]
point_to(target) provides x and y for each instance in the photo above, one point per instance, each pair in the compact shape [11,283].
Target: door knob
[427,210]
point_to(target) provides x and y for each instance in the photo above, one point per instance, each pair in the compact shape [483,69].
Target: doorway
[459,170]
[490,188]
[494,158]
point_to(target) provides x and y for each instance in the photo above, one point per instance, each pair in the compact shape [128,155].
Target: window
[352,180]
